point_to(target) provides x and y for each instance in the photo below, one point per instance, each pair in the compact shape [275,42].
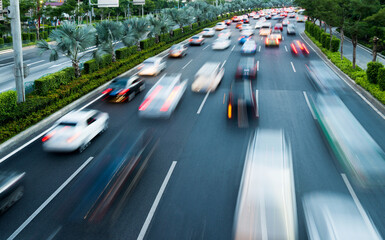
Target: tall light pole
[14,14]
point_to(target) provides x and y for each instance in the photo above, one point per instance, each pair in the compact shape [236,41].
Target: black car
[247,68]
[124,89]
[242,103]
[11,189]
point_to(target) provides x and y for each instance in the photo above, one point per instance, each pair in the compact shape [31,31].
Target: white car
[258,25]
[220,26]
[163,97]
[249,47]
[152,66]
[75,130]
[256,16]
[208,77]
[247,32]
[221,43]
[208,32]
[225,34]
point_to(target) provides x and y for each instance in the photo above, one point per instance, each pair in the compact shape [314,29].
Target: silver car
[152,66]
[208,32]
[208,77]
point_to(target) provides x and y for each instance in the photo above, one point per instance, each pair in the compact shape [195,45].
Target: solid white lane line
[292,66]
[187,64]
[156,202]
[258,65]
[50,199]
[206,47]
[259,49]
[358,204]
[283,38]
[285,48]
[35,63]
[91,102]
[203,103]
[308,104]
[257,102]
[233,48]
[349,84]
[223,64]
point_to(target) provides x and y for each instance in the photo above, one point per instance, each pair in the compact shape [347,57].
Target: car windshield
[67,124]
[195,37]
[176,47]
[119,83]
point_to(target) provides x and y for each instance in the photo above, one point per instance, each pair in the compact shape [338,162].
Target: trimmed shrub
[195,26]
[1,41]
[44,35]
[165,38]
[381,78]
[372,71]
[125,52]
[8,39]
[105,60]
[325,39]
[91,66]
[52,81]
[32,37]
[147,43]
[25,36]
[7,103]
[186,29]
[335,44]
[176,33]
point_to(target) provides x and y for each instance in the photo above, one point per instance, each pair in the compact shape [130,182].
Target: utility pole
[14,14]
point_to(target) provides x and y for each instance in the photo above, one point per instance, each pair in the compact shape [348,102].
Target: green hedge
[176,33]
[186,29]
[25,36]
[52,81]
[335,44]
[165,38]
[147,43]
[7,104]
[381,78]
[195,26]
[372,71]
[105,60]
[44,35]
[8,39]
[32,37]
[91,66]
[125,52]
[1,41]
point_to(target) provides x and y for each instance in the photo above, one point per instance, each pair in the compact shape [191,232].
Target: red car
[298,46]
[228,22]
[278,26]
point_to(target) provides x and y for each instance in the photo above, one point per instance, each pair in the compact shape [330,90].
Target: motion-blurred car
[256,16]
[278,26]
[292,15]
[152,66]
[75,131]
[242,103]
[268,16]
[277,17]
[208,32]
[290,30]
[276,34]
[228,22]
[245,26]
[297,46]
[271,41]
[258,25]
[235,19]
[358,154]
[221,43]
[177,50]
[265,29]
[247,32]
[247,68]
[243,39]
[162,99]
[197,40]
[245,20]
[336,216]
[238,25]
[249,47]
[285,22]
[300,18]
[225,34]
[208,77]
[323,79]
[11,189]
[124,89]
[266,204]
[220,26]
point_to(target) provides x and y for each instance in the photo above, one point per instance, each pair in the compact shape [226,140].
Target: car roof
[208,68]
[75,116]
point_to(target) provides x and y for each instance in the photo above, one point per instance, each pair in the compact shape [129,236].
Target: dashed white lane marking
[257,65]
[57,65]
[292,65]
[50,199]
[206,47]
[147,222]
[233,48]
[187,64]
[35,63]
[259,49]
[203,103]
[285,48]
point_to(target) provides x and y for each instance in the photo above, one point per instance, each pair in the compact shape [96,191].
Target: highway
[192,180]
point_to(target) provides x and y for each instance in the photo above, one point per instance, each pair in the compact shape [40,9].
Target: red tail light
[107,91]
[300,45]
[305,48]
[267,41]
[276,41]
[71,139]
[148,100]
[48,136]
[169,100]
[294,48]
[123,92]
[190,40]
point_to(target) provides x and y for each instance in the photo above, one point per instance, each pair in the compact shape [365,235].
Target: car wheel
[131,96]
[84,146]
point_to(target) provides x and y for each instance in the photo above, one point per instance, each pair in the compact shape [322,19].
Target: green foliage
[335,44]
[7,104]
[177,33]
[325,39]
[32,37]
[25,36]
[1,41]
[125,52]
[44,35]
[91,66]
[8,39]
[105,60]
[147,43]
[381,78]
[195,26]
[186,29]
[372,71]
[52,81]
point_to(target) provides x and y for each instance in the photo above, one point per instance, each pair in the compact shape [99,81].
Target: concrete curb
[40,126]
[365,94]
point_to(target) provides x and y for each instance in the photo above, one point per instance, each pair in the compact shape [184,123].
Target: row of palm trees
[72,40]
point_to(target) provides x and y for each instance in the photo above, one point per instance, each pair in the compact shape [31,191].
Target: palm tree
[70,40]
[135,29]
[158,25]
[109,33]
